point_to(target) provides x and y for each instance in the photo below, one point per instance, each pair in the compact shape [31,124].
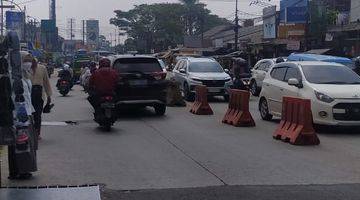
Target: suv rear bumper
[140,102]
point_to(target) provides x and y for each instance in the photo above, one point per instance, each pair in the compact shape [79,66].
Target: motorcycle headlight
[323,97]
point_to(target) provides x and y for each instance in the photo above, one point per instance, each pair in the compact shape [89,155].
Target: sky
[103,10]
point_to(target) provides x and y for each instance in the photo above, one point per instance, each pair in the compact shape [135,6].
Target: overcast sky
[103,10]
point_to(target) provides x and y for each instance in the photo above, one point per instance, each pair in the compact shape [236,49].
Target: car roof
[315,57]
[309,63]
[132,56]
[192,59]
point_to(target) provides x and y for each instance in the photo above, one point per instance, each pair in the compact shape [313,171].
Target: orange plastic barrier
[201,105]
[296,126]
[238,113]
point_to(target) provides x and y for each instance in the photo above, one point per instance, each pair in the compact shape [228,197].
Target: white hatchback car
[334,91]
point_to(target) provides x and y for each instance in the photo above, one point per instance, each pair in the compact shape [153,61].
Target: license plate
[214,90]
[138,82]
[108,113]
[108,105]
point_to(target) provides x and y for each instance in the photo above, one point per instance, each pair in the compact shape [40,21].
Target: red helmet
[104,62]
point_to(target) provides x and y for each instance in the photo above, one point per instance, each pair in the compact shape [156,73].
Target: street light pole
[236,26]
[2,18]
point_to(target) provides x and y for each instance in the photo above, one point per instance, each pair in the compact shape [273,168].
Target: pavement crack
[185,154]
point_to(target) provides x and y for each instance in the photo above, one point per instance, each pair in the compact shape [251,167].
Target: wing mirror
[182,71]
[295,82]
[227,71]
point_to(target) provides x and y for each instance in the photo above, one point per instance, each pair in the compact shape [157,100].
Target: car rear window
[129,65]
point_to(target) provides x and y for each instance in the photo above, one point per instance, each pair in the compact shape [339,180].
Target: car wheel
[189,96]
[160,109]
[264,110]
[254,89]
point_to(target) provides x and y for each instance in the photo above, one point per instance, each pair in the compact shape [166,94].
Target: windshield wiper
[342,83]
[333,82]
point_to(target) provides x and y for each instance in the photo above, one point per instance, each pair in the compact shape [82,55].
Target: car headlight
[323,97]
[228,79]
[196,79]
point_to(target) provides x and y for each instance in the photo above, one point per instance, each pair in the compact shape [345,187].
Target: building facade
[355,10]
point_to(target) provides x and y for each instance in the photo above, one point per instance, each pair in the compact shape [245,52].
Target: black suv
[142,82]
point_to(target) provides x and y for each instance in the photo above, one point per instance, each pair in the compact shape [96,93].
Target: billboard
[48,25]
[269,22]
[49,34]
[293,11]
[92,32]
[15,21]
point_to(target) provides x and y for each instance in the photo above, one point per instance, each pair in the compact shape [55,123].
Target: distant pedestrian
[41,92]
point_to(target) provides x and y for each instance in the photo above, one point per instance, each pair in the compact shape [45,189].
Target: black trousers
[13,168]
[38,104]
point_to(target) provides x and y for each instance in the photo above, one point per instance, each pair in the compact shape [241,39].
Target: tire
[107,127]
[160,110]
[254,89]
[189,96]
[226,98]
[264,110]
[64,93]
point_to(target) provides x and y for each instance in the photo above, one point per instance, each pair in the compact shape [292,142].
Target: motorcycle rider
[102,83]
[65,74]
[239,69]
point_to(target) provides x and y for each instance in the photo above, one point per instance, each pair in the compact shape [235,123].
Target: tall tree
[154,27]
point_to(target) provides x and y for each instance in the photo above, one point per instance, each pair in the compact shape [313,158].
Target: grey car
[191,72]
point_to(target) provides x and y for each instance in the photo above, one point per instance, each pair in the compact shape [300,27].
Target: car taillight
[63,82]
[159,75]
[108,98]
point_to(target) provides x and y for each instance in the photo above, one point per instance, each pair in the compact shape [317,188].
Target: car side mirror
[182,71]
[227,71]
[295,82]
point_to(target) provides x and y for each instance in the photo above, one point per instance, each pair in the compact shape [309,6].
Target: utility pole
[115,38]
[236,29]
[83,31]
[2,18]
[71,29]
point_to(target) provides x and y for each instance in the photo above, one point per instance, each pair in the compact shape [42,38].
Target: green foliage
[159,26]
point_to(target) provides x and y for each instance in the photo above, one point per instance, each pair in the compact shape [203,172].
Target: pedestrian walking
[41,91]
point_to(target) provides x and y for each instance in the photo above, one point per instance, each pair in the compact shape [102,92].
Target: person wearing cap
[102,82]
[41,92]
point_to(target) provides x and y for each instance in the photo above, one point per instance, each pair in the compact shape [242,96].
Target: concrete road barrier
[201,105]
[238,113]
[296,126]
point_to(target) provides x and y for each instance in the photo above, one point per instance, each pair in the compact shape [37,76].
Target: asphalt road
[181,150]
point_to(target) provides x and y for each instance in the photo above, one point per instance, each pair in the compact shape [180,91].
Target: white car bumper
[341,112]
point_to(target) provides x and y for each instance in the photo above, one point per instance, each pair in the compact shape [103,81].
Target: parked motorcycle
[105,116]
[64,87]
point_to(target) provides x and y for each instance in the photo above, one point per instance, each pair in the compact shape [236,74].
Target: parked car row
[329,82]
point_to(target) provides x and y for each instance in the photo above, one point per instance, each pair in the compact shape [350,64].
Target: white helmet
[66,67]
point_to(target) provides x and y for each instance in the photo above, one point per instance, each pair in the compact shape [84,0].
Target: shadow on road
[336,130]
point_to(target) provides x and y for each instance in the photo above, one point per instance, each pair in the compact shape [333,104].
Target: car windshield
[330,74]
[205,67]
[128,65]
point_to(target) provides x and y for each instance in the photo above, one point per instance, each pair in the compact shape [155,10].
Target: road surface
[181,150]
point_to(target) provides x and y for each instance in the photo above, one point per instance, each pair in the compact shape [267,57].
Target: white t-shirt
[27,96]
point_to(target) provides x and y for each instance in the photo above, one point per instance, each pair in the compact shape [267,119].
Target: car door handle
[281,89]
